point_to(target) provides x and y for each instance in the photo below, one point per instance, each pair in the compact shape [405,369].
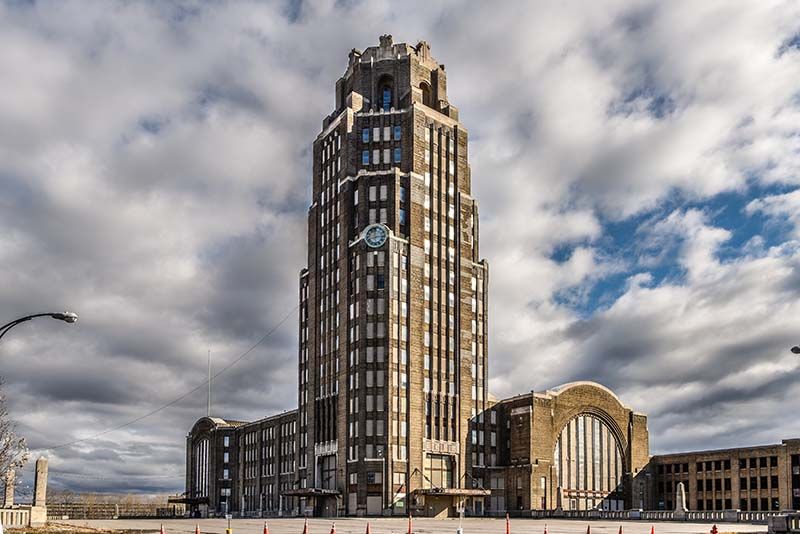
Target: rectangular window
[402,216]
[376,156]
[397,155]
[365,157]
[387,133]
[376,134]
[386,155]
[365,135]
[397,133]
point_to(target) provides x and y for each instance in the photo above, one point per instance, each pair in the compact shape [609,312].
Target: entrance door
[373,505]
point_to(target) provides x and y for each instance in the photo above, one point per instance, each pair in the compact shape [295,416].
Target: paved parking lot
[421,526]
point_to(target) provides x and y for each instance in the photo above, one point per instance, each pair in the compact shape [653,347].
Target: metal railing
[721,516]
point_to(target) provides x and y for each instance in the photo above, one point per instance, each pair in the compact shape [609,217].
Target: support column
[40,483]
[39,508]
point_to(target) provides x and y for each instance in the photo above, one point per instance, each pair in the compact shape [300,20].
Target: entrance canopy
[188,500]
[454,492]
[311,492]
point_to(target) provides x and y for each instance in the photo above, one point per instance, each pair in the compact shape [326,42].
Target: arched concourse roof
[569,385]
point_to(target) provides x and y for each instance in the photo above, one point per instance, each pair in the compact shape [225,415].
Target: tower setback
[392,361]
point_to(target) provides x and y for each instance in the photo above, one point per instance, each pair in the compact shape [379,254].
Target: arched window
[386,98]
[426,93]
[589,465]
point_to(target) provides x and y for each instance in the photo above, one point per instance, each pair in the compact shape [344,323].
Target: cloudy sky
[636,165]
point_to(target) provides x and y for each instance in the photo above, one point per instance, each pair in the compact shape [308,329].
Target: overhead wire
[181,397]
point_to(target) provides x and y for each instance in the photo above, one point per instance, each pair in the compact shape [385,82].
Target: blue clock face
[375,235]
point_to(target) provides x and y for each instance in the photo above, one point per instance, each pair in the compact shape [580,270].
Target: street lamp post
[382,456]
[67,317]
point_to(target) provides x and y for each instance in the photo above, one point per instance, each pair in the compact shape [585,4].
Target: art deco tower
[392,366]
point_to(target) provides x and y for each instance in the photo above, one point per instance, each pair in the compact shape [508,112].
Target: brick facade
[763,478]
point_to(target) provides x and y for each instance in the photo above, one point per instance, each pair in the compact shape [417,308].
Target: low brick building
[763,478]
[232,466]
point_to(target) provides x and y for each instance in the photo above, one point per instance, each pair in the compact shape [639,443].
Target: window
[380,283]
[387,98]
[438,471]
[402,216]
[365,157]
[365,135]
[397,155]
[397,133]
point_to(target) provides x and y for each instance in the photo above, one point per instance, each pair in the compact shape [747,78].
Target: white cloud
[782,207]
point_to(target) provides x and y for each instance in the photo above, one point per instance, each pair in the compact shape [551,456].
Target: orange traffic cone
[508,525]
[266,528]
[162,529]
[620,530]
[333,528]
[197,528]
[545,528]
[409,524]
[369,529]
[588,529]
[305,526]
[652,529]
[714,529]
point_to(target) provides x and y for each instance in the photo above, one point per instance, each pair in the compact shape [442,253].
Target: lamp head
[67,316]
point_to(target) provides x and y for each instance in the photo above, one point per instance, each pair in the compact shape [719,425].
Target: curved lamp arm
[66,316]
